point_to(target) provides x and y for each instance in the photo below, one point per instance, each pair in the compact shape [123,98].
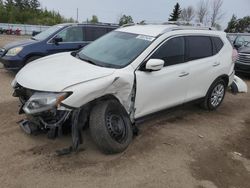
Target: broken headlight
[40,102]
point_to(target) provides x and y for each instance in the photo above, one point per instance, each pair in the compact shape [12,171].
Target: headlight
[40,102]
[14,51]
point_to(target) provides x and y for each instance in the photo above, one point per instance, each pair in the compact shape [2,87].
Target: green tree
[9,4]
[28,12]
[34,4]
[94,19]
[124,19]
[232,25]
[243,25]
[176,13]
[19,4]
[26,4]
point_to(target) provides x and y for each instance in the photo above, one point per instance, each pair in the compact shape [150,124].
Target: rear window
[198,47]
[218,44]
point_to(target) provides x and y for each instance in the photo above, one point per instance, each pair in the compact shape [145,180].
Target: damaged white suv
[125,75]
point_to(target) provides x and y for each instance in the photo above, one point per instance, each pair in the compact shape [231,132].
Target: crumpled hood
[57,72]
[19,43]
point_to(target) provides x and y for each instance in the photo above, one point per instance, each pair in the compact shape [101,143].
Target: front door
[167,87]
[72,39]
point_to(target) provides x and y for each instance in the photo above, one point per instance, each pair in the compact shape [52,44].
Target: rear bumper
[12,63]
[242,67]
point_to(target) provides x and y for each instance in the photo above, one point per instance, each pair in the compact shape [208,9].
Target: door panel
[72,39]
[203,65]
[165,88]
[160,89]
[202,74]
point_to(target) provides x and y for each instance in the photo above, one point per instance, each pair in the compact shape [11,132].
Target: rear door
[73,38]
[203,65]
[162,89]
[93,32]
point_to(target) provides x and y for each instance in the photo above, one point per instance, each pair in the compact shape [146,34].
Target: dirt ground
[185,148]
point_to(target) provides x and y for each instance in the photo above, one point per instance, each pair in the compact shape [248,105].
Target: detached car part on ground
[122,77]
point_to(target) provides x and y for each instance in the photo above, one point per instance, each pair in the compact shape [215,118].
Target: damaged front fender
[120,85]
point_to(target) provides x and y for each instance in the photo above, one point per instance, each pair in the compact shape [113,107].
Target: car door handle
[216,64]
[183,74]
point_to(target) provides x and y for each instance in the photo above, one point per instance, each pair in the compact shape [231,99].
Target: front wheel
[215,95]
[110,127]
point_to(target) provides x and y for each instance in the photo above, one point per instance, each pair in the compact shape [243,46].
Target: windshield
[116,49]
[45,34]
[243,40]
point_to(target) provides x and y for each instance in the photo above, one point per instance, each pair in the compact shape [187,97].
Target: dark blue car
[58,38]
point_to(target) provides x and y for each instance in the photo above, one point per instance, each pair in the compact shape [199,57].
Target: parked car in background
[242,44]
[34,33]
[231,37]
[1,30]
[122,77]
[241,40]
[59,38]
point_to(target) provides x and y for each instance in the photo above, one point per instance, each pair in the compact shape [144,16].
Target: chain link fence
[22,29]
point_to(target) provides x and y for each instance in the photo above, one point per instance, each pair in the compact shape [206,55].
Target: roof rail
[129,24]
[99,23]
[176,28]
[192,28]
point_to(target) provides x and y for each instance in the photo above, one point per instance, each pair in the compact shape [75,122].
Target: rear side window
[172,52]
[93,33]
[218,44]
[198,47]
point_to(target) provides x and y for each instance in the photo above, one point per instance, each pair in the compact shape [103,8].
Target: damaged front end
[43,111]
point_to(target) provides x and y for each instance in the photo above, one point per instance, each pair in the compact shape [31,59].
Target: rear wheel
[215,95]
[110,127]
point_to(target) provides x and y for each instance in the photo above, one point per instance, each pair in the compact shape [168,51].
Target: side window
[172,52]
[198,47]
[71,34]
[93,33]
[218,44]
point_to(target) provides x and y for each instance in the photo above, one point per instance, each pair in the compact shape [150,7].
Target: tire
[110,127]
[215,95]
[32,58]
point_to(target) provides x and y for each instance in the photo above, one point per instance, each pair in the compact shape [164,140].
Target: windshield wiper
[33,38]
[87,60]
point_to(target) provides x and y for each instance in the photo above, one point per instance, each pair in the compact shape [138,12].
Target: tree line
[238,25]
[28,12]
[206,12]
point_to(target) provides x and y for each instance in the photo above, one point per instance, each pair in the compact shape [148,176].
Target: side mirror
[57,40]
[154,64]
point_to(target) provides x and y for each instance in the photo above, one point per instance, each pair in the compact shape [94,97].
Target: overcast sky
[152,11]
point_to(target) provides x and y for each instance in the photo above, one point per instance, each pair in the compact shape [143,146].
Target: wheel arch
[90,105]
[224,77]
[32,55]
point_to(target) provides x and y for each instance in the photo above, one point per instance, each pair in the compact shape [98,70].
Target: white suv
[127,74]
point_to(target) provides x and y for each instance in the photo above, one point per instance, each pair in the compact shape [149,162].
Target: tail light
[234,55]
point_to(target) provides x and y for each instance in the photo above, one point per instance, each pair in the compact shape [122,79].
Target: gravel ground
[185,148]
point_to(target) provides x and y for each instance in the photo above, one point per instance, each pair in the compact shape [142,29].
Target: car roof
[150,30]
[156,30]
